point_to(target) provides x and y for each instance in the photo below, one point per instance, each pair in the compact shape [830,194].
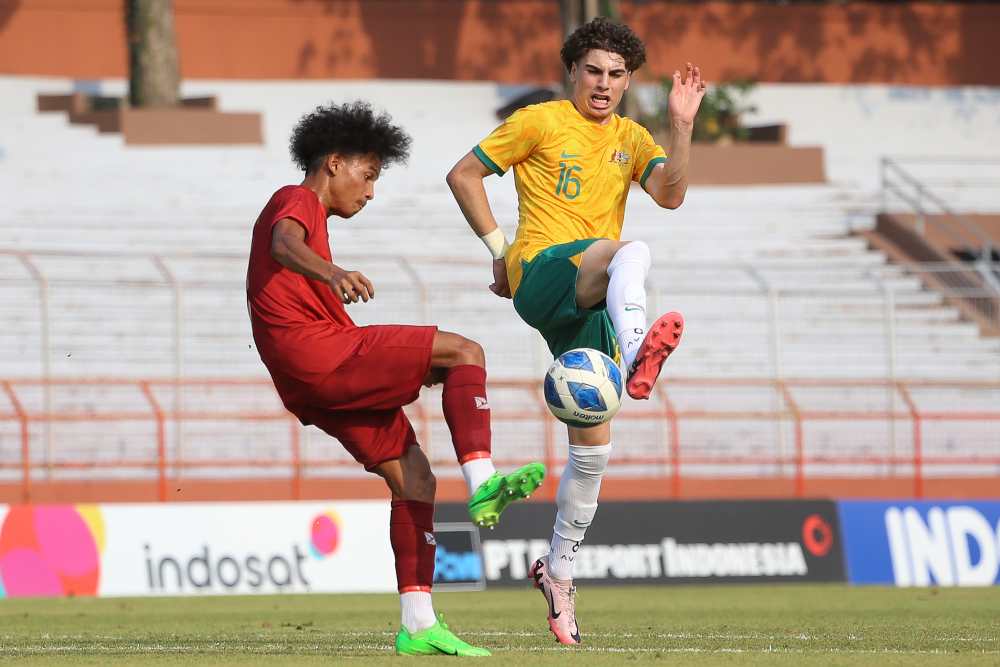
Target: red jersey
[301,329]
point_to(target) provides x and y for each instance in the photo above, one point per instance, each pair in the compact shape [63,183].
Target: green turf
[819,625]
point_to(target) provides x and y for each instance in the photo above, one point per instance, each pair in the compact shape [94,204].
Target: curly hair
[349,129]
[606,35]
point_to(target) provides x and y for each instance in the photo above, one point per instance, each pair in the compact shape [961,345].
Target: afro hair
[349,129]
[605,35]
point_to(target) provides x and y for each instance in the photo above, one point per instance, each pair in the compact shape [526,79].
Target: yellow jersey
[572,175]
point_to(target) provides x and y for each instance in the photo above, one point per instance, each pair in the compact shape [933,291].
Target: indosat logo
[211,569]
[51,550]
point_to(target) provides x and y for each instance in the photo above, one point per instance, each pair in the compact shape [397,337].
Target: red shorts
[360,402]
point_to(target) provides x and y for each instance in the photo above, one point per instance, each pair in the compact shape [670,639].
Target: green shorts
[546,300]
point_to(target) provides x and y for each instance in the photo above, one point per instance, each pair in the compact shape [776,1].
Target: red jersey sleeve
[293,204]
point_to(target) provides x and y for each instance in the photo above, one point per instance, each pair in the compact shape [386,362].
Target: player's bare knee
[431,485]
[593,436]
[418,480]
[453,350]
[423,487]
[472,353]
[395,483]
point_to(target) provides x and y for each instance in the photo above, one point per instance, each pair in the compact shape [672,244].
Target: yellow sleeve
[648,154]
[512,142]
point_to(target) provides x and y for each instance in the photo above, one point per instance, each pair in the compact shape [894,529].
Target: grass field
[821,625]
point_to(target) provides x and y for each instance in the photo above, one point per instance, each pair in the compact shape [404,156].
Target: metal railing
[672,452]
[900,184]
[780,414]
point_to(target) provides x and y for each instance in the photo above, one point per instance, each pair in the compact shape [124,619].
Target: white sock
[577,502]
[477,471]
[627,297]
[562,556]
[417,611]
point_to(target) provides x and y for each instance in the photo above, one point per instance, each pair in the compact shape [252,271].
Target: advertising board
[675,542]
[195,548]
[911,543]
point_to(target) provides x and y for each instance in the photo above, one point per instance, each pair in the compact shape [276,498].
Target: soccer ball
[583,387]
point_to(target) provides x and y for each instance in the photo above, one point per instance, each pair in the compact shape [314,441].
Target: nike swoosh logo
[569,156]
[631,308]
[537,576]
[447,650]
[580,524]
[552,607]
[486,499]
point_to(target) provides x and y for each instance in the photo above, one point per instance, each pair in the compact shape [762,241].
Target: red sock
[467,412]
[411,532]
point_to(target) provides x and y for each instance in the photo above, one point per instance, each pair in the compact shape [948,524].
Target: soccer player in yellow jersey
[570,276]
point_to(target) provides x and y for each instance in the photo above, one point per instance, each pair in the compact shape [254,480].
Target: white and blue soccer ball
[583,387]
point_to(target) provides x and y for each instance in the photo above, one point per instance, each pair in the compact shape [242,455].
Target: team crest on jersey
[620,157]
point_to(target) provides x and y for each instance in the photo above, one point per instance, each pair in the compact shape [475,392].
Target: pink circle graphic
[65,540]
[49,550]
[26,574]
[325,534]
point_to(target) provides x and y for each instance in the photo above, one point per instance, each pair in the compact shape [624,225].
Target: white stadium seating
[142,258]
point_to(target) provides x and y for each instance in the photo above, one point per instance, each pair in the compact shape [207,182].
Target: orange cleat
[661,339]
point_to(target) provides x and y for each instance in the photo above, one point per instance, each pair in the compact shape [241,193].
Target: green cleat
[493,495]
[435,640]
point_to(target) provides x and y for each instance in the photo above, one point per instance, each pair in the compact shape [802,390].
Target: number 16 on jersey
[567,179]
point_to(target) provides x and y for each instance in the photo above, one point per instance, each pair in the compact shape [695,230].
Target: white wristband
[496,242]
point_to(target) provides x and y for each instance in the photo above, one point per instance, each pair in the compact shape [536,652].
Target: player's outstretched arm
[668,182]
[289,249]
[466,182]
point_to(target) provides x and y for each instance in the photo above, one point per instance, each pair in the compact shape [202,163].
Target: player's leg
[460,364]
[561,294]
[616,271]
[384,442]
[579,486]
[576,503]
[592,277]
[391,365]
[413,486]
[411,532]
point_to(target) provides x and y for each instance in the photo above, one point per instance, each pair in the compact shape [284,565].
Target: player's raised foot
[435,640]
[661,339]
[495,494]
[560,596]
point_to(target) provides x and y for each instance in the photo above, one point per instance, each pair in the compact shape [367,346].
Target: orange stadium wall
[512,41]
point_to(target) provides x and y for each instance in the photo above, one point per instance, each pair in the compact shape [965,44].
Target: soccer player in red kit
[352,381]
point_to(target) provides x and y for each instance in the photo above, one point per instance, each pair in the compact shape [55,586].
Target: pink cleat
[661,339]
[561,597]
